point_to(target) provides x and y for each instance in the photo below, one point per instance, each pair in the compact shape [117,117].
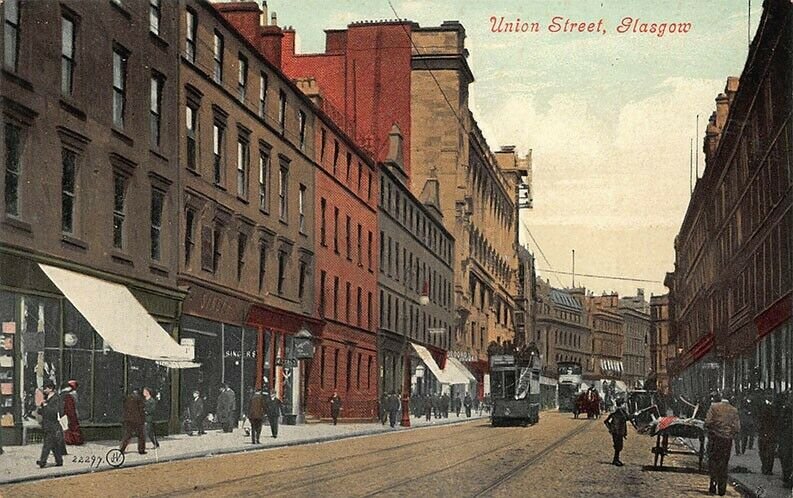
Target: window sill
[73,242]
[158,40]
[11,75]
[243,200]
[264,212]
[303,233]
[121,10]
[158,154]
[72,109]
[121,136]
[120,257]
[219,186]
[158,269]
[283,222]
[193,172]
[18,224]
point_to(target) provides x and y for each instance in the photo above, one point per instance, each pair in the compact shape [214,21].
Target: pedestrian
[427,407]
[256,411]
[274,408]
[384,409]
[134,421]
[149,407]
[617,424]
[744,438]
[445,405]
[335,407]
[73,435]
[722,423]
[785,435]
[436,405]
[50,412]
[226,406]
[457,404]
[766,425]
[393,409]
[467,403]
[195,415]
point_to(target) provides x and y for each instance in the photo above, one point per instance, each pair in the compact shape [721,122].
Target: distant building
[662,348]
[562,332]
[608,338]
[635,312]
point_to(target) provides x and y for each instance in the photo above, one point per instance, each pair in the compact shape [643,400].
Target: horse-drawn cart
[666,427]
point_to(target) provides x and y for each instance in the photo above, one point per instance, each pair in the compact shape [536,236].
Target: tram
[515,387]
[569,384]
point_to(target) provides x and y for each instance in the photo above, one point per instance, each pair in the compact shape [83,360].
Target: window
[369,310]
[68,183]
[347,301]
[358,372]
[282,109]
[155,109]
[189,239]
[302,129]
[349,165]
[336,297]
[67,55]
[335,156]
[216,241]
[369,249]
[242,77]
[218,57]
[335,368]
[11,14]
[360,245]
[13,156]
[262,264]
[242,243]
[217,151]
[360,175]
[243,164]
[262,95]
[359,308]
[120,57]
[323,276]
[322,141]
[369,373]
[283,186]
[369,185]
[281,271]
[264,179]
[154,16]
[119,200]
[301,199]
[190,41]
[323,206]
[336,230]
[349,369]
[301,282]
[157,201]
[191,118]
[347,231]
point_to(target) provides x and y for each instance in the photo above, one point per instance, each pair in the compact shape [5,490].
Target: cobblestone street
[560,456]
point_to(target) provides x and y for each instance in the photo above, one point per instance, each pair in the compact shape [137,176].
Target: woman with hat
[73,435]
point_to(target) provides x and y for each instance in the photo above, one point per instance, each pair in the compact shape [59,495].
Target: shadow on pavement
[673,470]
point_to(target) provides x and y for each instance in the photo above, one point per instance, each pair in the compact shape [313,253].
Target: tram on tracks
[569,384]
[515,386]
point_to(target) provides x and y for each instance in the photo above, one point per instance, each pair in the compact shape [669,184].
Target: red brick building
[345,231]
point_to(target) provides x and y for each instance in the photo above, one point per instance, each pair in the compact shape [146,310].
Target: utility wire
[606,277]
[537,244]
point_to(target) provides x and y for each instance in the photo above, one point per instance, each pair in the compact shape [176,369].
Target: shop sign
[502,360]
[286,362]
[304,348]
[233,353]
[462,356]
[440,330]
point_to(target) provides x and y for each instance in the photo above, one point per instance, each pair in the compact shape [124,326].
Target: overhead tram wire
[542,253]
[604,277]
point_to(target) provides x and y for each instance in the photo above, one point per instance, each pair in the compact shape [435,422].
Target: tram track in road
[390,487]
[514,471]
[313,466]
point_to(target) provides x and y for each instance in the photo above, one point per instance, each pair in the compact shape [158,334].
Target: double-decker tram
[515,386]
[568,384]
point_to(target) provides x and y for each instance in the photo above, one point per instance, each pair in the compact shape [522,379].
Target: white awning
[462,368]
[455,373]
[178,364]
[119,318]
[428,360]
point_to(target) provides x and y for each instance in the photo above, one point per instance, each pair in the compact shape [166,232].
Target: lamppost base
[405,422]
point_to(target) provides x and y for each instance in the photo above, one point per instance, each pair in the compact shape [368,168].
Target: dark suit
[256,411]
[273,413]
[149,407]
[335,408]
[53,432]
[225,410]
[134,422]
[393,409]
[195,416]
[467,402]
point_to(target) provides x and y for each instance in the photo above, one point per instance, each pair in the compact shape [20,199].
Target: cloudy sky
[609,116]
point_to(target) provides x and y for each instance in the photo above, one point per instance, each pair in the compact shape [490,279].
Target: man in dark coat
[445,405]
[436,405]
[766,439]
[335,407]
[393,409]
[722,424]
[53,432]
[427,407]
[617,423]
[384,408]
[227,401]
[150,407]
[785,436]
[134,421]
[468,403]
[256,410]
[744,405]
[195,415]
[457,404]
[273,413]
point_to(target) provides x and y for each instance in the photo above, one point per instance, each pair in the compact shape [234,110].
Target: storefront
[47,334]
[390,352]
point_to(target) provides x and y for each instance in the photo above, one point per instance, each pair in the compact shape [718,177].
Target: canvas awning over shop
[119,318]
[428,360]
[462,368]
[455,373]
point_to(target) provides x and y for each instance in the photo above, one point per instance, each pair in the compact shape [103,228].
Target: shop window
[13,169]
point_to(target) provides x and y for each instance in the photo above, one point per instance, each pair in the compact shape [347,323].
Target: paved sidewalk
[18,463]
[745,470]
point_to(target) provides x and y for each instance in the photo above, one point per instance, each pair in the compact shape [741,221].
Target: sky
[609,116]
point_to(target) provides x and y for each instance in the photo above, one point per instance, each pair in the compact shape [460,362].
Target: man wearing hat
[50,411]
[722,423]
[617,424]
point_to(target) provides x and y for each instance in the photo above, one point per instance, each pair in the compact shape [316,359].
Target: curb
[233,450]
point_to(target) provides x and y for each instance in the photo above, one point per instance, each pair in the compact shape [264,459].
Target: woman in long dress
[73,435]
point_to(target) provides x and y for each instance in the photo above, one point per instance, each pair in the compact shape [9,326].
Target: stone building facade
[90,196]
[562,332]
[608,342]
[662,347]
[731,292]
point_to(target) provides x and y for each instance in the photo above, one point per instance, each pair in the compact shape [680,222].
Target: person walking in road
[256,411]
[134,420]
[195,415]
[467,403]
[722,423]
[335,407]
[617,424]
[225,408]
[72,435]
[50,412]
[274,407]
[393,409]
[766,425]
[149,407]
